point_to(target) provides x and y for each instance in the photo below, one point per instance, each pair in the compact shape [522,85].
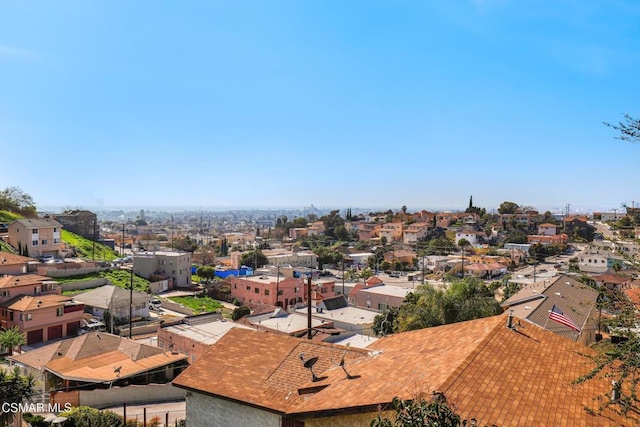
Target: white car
[155,304]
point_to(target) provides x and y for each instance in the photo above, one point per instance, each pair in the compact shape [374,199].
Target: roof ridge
[448,382]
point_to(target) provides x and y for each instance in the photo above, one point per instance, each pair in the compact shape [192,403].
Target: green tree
[254,259]
[239,312]
[331,221]
[464,299]
[13,199]
[85,416]
[341,233]
[507,207]
[14,388]
[420,413]
[384,323]
[11,338]
[206,272]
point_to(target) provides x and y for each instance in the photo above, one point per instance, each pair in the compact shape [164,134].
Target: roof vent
[510,320]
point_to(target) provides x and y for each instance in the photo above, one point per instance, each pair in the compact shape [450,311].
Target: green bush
[243,310]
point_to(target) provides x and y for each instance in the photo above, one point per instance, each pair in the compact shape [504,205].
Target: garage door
[54,332]
[72,328]
[34,337]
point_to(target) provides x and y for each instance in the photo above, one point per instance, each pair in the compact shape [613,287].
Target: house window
[34,231]
[235,286]
[25,316]
[4,293]
[11,316]
[55,229]
[257,290]
[34,243]
[59,311]
[266,292]
[56,240]
[248,287]
[44,241]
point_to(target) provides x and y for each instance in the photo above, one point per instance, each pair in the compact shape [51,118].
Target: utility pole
[309,307]
[131,305]
[93,241]
[277,285]
[122,243]
[343,274]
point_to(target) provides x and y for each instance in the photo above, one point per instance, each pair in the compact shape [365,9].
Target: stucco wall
[207,411]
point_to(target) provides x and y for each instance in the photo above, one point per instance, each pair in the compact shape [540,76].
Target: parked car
[155,304]
[45,258]
[92,326]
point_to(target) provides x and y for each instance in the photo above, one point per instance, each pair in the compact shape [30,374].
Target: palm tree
[14,388]
[11,338]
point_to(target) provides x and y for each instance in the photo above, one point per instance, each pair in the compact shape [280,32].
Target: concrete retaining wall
[174,306]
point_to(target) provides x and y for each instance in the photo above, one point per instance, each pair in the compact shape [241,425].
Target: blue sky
[331,103]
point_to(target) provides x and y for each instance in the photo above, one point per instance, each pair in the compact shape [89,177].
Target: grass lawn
[85,247]
[9,217]
[121,278]
[199,305]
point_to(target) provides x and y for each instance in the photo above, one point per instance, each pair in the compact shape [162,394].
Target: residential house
[520,218]
[401,255]
[547,240]
[380,297]
[612,216]
[82,222]
[475,366]
[473,237]
[276,291]
[42,318]
[34,304]
[415,232]
[194,335]
[368,231]
[14,265]
[547,229]
[392,231]
[613,281]
[576,300]
[343,316]
[91,368]
[296,233]
[315,228]
[485,270]
[116,301]
[435,262]
[161,265]
[593,262]
[36,237]
[281,257]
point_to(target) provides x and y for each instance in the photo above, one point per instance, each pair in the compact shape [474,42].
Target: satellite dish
[309,363]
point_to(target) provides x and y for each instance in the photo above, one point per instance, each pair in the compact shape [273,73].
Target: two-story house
[415,232]
[278,291]
[175,265]
[34,304]
[392,231]
[36,237]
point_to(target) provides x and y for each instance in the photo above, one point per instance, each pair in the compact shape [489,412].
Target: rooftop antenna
[309,365]
[344,366]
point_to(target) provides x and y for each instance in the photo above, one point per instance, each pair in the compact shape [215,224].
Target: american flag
[558,316]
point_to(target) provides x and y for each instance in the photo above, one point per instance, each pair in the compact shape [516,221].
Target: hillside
[120,278]
[84,247]
[8,217]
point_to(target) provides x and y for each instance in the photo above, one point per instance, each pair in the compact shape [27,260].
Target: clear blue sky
[336,103]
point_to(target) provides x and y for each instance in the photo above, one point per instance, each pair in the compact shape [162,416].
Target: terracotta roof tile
[23,280]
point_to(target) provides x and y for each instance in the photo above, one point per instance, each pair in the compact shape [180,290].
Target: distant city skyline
[254,104]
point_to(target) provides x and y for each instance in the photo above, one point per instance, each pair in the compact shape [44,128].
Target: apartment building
[175,265]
